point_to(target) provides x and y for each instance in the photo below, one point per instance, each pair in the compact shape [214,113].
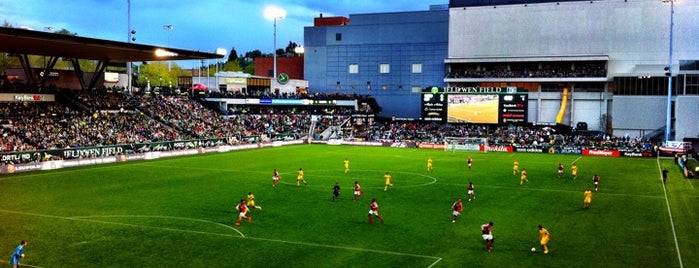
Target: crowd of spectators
[117,119]
[283,95]
[519,136]
[100,118]
[529,71]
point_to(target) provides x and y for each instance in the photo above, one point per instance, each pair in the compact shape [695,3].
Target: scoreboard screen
[475,105]
[434,107]
[513,108]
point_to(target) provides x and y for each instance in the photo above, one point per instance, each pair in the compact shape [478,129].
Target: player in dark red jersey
[560,170]
[242,211]
[374,210]
[357,191]
[276,178]
[471,193]
[487,233]
[457,206]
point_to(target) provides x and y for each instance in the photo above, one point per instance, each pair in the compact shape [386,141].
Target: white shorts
[560,171]
[357,193]
[374,212]
[242,214]
[456,213]
[487,237]
[275,178]
[470,192]
[596,183]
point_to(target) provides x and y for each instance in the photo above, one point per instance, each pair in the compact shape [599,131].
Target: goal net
[465,144]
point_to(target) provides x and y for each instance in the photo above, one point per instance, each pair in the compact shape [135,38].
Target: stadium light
[299,50]
[164,53]
[274,13]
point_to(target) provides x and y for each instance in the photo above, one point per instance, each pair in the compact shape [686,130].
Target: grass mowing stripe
[550,190]
[672,222]
[628,212]
[89,219]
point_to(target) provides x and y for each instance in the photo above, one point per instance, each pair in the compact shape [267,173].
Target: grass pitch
[179,212]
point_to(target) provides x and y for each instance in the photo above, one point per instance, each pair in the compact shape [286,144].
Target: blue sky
[203,25]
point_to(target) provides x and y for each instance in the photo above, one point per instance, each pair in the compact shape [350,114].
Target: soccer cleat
[249,219]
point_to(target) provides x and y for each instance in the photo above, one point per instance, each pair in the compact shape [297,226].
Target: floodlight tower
[274,13]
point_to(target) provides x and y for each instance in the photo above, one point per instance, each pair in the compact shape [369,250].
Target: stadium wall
[638,115]
[630,32]
[687,117]
[397,39]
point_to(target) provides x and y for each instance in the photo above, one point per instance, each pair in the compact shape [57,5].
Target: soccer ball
[533,250]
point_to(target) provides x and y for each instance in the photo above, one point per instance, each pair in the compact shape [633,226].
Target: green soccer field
[179,212]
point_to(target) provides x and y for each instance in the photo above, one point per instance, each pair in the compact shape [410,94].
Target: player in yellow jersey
[346,165]
[389,181]
[299,178]
[574,171]
[251,201]
[544,238]
[429,164]
[523,176]
[515,167]
[588,198]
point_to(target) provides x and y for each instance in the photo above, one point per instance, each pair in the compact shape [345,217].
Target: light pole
[168,28]
[47,29]
[274,13]
[222,52]
[129,69]
[668,120]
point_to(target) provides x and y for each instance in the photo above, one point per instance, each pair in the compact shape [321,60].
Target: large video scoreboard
[475,105]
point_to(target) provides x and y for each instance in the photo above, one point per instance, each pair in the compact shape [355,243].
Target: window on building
[689,65]
[354,68]
[338,37]
[384,68]
[417,68]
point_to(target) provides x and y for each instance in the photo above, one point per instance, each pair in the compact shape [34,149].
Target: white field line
[669,213]
[241,235]
[22,264]
[576,160]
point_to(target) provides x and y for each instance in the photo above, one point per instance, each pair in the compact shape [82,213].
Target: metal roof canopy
[29,42]
[22,42]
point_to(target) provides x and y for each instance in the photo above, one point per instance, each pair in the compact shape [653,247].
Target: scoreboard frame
[511,103]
